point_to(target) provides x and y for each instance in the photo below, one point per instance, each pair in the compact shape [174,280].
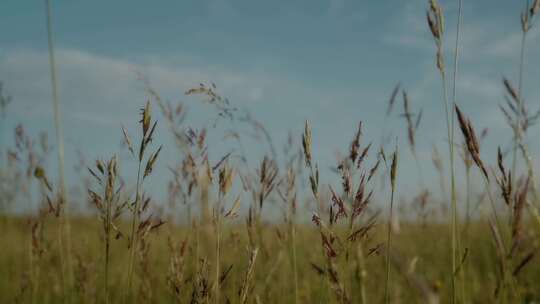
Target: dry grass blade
[410,125]
[234,209]
[392,99]
[511,90]
[244,290]
[528,258]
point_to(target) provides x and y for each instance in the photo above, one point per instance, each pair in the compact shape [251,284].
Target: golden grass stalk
[64,233]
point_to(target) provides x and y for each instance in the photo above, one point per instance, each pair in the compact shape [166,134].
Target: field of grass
[270,231]
[420,267]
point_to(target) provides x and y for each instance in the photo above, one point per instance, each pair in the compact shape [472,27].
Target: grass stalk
[436,24]
[218,246]
[388,248]
[362,273]
[456,240]
[295,266]
[466,230]
[393,173]
[517,130]
[107,248]
[134,223]
[64,234]
[453,197]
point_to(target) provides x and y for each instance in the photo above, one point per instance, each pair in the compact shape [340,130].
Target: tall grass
[455,221]
[393,176]
[238,254]
[436,24]
[64,233]
[140,228]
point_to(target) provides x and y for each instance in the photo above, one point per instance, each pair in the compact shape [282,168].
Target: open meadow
[246,218]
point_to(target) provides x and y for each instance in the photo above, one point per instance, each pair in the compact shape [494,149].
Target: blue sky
[333,62]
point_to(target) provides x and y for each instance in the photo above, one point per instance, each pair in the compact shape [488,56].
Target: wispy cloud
[509,45]
[407,27]
[93,84]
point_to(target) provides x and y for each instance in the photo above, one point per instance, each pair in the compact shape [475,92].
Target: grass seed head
[505,179]
[111,178]
[355,144]
[226,177]
[525,25]
[471,141]
[393,169]
[535,8]
[306,143]
[151,161]
[145,117]
[39,173]
[128,141]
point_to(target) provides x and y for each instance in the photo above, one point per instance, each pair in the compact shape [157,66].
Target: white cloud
[102,86]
